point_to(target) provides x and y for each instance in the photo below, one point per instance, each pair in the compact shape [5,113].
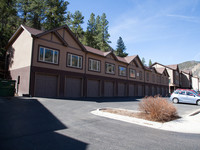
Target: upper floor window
[132,73]
[74,61]
[140,75]
[110,68]
[147,76]
[94,65]
[48,55]
[122,71]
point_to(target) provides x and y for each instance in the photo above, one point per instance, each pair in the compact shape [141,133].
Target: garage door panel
[73,87]
[121,89]
[93,87]
[46,85]
[139,90]
[108,89]
[131,90]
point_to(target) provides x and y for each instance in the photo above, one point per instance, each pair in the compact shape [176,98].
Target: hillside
[193,66]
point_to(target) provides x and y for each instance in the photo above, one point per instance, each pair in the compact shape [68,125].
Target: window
[140,75]
[74,61]
[94,65]
[190,93]
[182,92]
[110,68]
[48,55]
[122,71]
[132,73]
[147,76]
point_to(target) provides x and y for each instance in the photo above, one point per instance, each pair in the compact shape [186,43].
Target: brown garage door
[73,87]
[121,89]
[46,85]
[140,90]
[93,87]
[146,90]
[108,89]
[131,90]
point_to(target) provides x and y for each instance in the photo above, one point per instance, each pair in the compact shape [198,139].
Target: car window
[182,92]
[176,92]
[190,93]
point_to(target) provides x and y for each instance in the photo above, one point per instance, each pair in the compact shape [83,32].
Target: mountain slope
[193,66]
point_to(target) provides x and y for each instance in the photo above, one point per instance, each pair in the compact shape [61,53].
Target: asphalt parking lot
[44,124]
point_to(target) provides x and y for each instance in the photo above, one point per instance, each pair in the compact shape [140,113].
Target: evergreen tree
[91,31]
[23,10]
[36,14]
[143,61]
[150,62]
[55,13]
[9,22]
[102,35]
[121,48]
[74,21]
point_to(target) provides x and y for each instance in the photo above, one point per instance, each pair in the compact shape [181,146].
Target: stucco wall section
[21,51]
[195,83]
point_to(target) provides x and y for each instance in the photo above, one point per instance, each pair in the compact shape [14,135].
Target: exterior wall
[63,51]
[185,80]
[195,83]
[20,61]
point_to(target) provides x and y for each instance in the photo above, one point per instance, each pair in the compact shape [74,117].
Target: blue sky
[165,31]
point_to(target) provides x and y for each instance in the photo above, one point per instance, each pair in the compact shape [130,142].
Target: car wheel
[175,100]
[198,102]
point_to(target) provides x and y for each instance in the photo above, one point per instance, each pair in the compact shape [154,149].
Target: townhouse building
[174,75]
[55,64]
[179,79]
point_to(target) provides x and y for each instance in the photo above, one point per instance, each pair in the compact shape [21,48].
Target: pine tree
[150,62]
[55,13]
[36,14]
[102,35]
[90,32]
[9,22]
[143,61]
[121,48]
[23,10]
[74,21]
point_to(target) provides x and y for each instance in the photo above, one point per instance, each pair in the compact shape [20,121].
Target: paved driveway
[44,124]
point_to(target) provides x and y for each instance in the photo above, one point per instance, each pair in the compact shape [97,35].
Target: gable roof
[173,67]
[32,31]
[38,33]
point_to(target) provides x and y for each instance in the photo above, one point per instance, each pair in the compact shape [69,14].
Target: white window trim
[91,61]
[43,58]
[121,73]
[112,69]
[132,70]
[70,65]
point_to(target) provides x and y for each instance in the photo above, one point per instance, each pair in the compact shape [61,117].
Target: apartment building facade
[55,64]
[179,79]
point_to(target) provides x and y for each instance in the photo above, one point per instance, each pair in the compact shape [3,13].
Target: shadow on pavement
[26,124]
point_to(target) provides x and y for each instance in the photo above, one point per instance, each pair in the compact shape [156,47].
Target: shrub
[158,109]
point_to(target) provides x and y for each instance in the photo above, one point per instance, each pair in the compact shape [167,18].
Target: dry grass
[151,108]
[158,109]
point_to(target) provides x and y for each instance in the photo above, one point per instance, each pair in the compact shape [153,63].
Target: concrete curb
[187,124]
